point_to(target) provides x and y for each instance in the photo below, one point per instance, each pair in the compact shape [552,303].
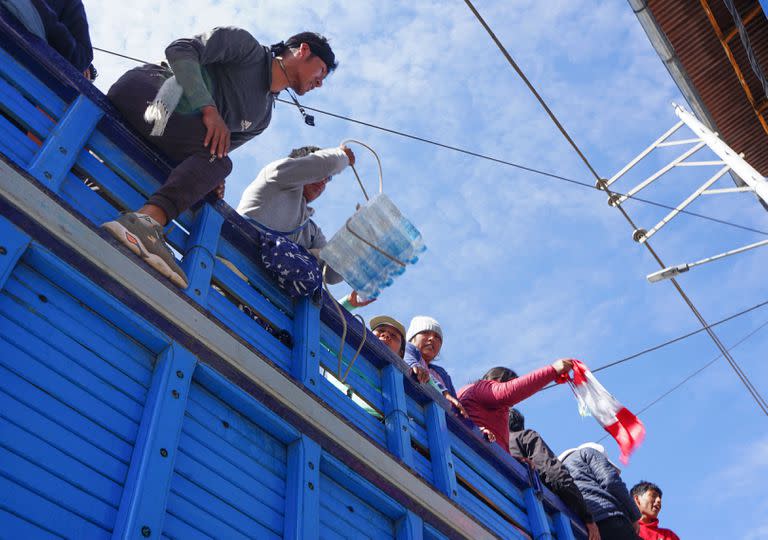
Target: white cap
[422,323]
[594,446]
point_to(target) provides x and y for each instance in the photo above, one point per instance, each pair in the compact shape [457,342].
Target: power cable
[692,375]
[113,53]
[679,338]
[671,341]
[524,167]
[486,157]
[762,404]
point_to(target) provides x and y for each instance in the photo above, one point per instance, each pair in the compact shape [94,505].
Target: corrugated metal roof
[701,54]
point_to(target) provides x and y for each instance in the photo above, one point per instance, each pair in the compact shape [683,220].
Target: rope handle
[340,355]
[381,172]
[365,194]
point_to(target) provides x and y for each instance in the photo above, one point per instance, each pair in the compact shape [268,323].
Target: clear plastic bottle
[366,269]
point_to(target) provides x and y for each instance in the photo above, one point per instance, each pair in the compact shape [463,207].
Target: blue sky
[522,269]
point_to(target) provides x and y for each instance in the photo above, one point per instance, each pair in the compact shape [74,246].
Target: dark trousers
[197,173]
[616,528]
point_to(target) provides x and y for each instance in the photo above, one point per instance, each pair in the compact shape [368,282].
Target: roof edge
[674,66]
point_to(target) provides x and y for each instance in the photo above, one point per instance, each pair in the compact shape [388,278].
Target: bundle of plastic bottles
[366,269]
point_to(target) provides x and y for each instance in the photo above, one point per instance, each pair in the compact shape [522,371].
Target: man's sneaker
[144,236]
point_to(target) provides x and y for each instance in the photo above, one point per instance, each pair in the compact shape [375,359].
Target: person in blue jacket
[606,495]
[61,23]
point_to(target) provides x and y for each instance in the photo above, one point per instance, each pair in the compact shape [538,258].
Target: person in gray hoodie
[215,93]
[278,199]
[606,495]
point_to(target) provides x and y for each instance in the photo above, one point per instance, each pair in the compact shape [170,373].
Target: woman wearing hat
[390,332]
[425,339]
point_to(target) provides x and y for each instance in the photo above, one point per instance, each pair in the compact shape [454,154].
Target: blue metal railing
[64,133]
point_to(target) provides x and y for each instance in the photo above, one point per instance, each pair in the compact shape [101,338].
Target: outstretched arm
[508,393]
[293,172]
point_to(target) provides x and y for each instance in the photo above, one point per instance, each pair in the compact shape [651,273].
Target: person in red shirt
[488,400]
[647,497]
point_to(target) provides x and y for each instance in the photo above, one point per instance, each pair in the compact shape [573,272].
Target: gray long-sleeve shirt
[228,68]
[276,200]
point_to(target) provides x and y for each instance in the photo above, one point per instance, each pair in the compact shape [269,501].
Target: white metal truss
[729,161]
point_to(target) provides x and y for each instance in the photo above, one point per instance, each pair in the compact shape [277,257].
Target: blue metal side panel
[395,415]
[23,111]
[249,330]
[423,466]
[72,387]
[142,507]
[246,292]
[230,476]
[198,262]
[302,506]
[352,508]
[31,85]
[562,526]
[430,533]
[503,499]
[440,450]
[485,515]
[63,144]
[356,415]
[305,361]
[410,527]
[365,369]
[363,378]
[482,468]
[536,515]
[13,244]
[256,276]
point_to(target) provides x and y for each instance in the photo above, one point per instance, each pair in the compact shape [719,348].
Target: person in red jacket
[647,497]
[488,400]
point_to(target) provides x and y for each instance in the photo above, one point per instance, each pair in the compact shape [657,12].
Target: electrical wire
[671,341]
[113,53]
[487,157]
[693,374]
[761,402]
[526,168]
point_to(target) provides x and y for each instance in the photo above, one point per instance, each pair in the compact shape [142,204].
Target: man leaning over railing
[216,93]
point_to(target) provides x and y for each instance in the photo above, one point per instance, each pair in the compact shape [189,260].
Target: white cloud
[745,473]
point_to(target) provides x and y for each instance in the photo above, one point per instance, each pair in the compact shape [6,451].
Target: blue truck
[132,409]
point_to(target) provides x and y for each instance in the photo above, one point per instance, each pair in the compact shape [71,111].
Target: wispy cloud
[745,475]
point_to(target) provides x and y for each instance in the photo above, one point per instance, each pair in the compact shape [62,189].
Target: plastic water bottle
[366,269]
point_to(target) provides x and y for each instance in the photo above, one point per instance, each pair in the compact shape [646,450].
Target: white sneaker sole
[129,240]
